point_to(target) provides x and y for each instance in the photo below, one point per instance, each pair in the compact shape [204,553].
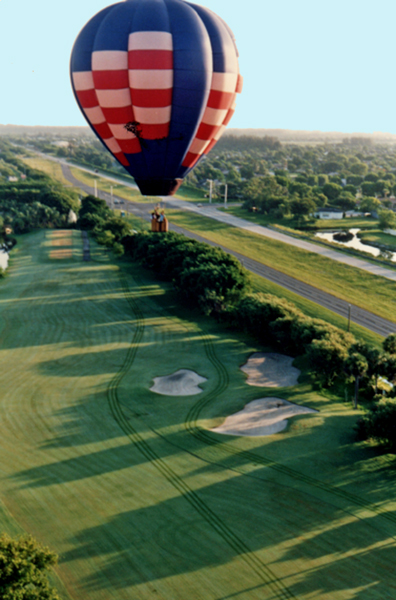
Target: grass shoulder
[191,194]
[50,167]
[356,286]
[105,185]
[293,224]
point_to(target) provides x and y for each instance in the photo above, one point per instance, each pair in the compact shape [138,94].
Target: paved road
[353,261]
[358,315]
[213,213]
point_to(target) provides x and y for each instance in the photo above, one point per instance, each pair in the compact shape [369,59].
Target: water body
[354,243]
[3,259]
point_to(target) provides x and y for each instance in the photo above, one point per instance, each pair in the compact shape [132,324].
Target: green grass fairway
[133,491]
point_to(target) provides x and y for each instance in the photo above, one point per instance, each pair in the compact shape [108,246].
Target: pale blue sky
[308,65]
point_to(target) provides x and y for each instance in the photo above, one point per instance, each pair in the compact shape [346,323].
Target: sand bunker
[268,369]
[181,383]
[262,417]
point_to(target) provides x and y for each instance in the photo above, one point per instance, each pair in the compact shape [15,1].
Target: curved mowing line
[204,436]
[238,546]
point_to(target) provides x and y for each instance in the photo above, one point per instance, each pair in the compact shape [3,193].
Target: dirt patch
[63,253]
[268,369]
[181,383]
[265,416]
[62,241]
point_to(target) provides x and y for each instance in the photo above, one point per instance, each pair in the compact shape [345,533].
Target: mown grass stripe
[245,553]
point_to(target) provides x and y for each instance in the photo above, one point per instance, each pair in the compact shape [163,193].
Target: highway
[359,316]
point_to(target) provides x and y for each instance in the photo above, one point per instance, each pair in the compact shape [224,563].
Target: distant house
[329,213]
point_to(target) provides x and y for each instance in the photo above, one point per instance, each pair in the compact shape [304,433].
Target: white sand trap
[262,417]
[181,383]
[268,369]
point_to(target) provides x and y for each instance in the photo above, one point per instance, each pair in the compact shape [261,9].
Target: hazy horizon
[255,131]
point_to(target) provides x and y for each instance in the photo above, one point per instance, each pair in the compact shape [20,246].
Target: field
[131,489]
[50,167]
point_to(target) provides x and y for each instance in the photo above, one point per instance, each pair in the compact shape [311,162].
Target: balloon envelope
[157,82]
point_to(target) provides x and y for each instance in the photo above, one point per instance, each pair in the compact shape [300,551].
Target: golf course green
[131,488]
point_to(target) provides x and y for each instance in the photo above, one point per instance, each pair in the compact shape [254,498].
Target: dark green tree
[302,207]
[92,205]
[332,191]
[389,343]
[327,357]
[346,201]
[369,204]
[23,567]
[369,188]
[387,219]
[356,366]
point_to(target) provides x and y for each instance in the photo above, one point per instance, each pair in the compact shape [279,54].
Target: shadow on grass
[283,525]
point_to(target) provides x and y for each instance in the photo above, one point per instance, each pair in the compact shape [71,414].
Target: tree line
[36,201]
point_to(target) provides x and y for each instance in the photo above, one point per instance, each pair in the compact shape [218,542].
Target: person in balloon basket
[155,220]
[162,221]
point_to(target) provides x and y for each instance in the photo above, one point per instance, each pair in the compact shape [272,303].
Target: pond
[354,243]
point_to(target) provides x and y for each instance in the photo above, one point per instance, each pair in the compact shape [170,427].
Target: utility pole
[210,190]
[111,195]
[225,194]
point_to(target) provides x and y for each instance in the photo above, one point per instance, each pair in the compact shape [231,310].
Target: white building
[329,213]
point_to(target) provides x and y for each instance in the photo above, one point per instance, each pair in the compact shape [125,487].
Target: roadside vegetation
[375,294]
[32,199]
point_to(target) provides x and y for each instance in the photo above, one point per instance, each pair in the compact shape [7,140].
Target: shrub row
[107,228]
[379,423]
[202,274]
[219,284]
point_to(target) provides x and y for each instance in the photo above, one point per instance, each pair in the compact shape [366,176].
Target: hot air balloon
[157,82]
